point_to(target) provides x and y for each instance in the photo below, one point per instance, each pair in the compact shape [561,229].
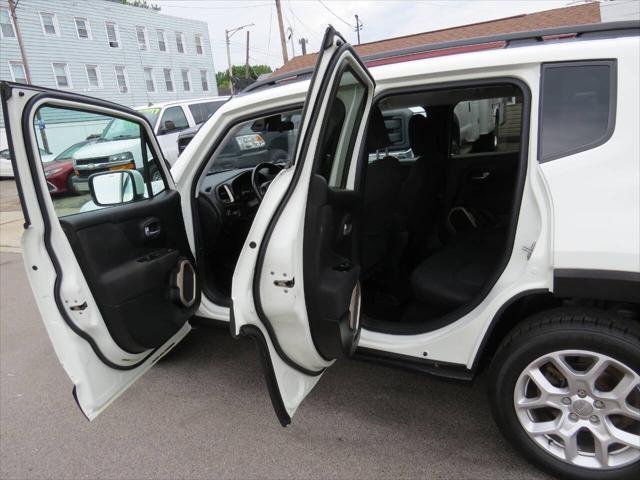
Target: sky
[308,18]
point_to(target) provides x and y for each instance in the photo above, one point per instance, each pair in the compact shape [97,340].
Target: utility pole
[25,65]
[303,44]
[293,50]
[283,43]
[246,63]
[227,35]
[358,28]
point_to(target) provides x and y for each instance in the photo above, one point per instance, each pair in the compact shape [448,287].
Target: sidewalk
[11,220]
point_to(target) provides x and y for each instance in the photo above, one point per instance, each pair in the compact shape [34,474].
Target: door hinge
[285,283]
[529,250]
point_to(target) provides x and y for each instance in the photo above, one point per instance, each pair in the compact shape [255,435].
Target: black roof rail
[515,39]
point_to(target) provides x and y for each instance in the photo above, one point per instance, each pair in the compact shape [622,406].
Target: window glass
[93,76]
[179,42]
[202,111]
[576,108]
[82,27]
[176,116]
[141,34]
[80,145]
[199,44]
[49,23]
[112,34]
[162,44]
[151,114]
[62,75]
[168,80]
[266,139]
[121,78]
[6,25]
[344,116]
[186,81]
[148,80]
[204,80]
[18,72]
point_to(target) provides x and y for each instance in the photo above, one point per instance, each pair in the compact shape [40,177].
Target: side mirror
[169,126]
[116,188]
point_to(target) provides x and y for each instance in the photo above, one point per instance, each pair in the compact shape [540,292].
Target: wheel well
[522,307]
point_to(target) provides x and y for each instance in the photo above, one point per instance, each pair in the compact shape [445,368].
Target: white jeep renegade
[523,257]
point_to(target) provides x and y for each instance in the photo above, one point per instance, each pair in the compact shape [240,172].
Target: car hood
[106,148]
[57,164]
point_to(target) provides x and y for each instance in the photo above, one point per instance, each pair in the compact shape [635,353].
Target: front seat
[382,184]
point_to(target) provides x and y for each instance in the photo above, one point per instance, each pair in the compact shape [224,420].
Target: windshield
[151,114]
[263,140]
[118,129]
[68,153]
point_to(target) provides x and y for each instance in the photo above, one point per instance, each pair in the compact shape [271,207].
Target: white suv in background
[521,260]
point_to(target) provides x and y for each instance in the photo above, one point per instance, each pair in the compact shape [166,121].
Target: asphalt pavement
[204,412]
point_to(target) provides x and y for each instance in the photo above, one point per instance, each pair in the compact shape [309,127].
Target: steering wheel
[262,176]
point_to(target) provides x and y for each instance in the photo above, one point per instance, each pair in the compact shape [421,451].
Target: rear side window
[202,111]
[577,107]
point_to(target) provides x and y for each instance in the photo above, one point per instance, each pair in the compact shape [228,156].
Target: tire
[576,337]
[71,190]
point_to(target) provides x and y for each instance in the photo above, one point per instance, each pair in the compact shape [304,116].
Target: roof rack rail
[515,39]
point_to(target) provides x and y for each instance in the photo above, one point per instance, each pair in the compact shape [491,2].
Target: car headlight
[121,157]
[247,142]
[53,171]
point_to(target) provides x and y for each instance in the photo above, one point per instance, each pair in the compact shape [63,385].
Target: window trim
[164,40]
[56,25]
[17,62]
[183,42]
[164,78]
[67,74]
[98,75]
[182,70]
[87,24]
[153,79]
[13,27]
[126,79]
[116,30]
[146,38]
[613,100]
[196,37]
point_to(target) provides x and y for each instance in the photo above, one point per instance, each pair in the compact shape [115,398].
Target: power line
[335,14]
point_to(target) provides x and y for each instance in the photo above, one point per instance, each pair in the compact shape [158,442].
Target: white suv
[523,261]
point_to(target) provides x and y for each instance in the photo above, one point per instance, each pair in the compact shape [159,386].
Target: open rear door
[296,285]
[108,260]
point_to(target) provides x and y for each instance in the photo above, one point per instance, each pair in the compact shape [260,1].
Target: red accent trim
[437,53]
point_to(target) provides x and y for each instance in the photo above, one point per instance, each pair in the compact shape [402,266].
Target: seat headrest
[419,135]
[377,136]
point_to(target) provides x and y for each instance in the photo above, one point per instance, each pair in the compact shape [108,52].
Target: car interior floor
[436,226]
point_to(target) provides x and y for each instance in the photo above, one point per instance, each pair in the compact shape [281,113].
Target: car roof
[220,98]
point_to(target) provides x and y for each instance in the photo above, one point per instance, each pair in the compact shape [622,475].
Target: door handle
[152,230]
[480,176]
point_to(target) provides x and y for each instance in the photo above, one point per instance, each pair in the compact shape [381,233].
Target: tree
[222,77]
[141,4]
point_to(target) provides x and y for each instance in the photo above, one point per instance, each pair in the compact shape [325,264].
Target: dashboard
[231,193]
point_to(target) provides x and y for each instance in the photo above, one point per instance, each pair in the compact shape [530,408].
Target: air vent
[224,194]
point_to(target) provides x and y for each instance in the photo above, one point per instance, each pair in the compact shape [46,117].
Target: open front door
[296,285]
[104,246]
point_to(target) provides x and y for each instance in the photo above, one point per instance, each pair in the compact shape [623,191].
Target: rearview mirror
[116,188]
[273,123]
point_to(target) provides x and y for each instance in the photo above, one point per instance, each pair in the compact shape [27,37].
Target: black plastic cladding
[33,167]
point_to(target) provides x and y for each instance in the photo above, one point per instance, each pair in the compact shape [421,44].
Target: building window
[113,36]
[141,33]
[199,49]
[83,28]
[6,24]
[180,42]
[17,72]
[148,79]
[168,80]
[577,107]
[186,80]
[204,80]
[121,78]
[93,76]
[49,23]
[162,43]
[61,72]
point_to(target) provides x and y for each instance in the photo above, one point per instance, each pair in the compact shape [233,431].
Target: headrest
[377,136]
[419,135]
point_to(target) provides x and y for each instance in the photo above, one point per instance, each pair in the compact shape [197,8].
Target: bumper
[80,184]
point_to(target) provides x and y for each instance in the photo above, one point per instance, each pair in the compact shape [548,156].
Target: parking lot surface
[204,412]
